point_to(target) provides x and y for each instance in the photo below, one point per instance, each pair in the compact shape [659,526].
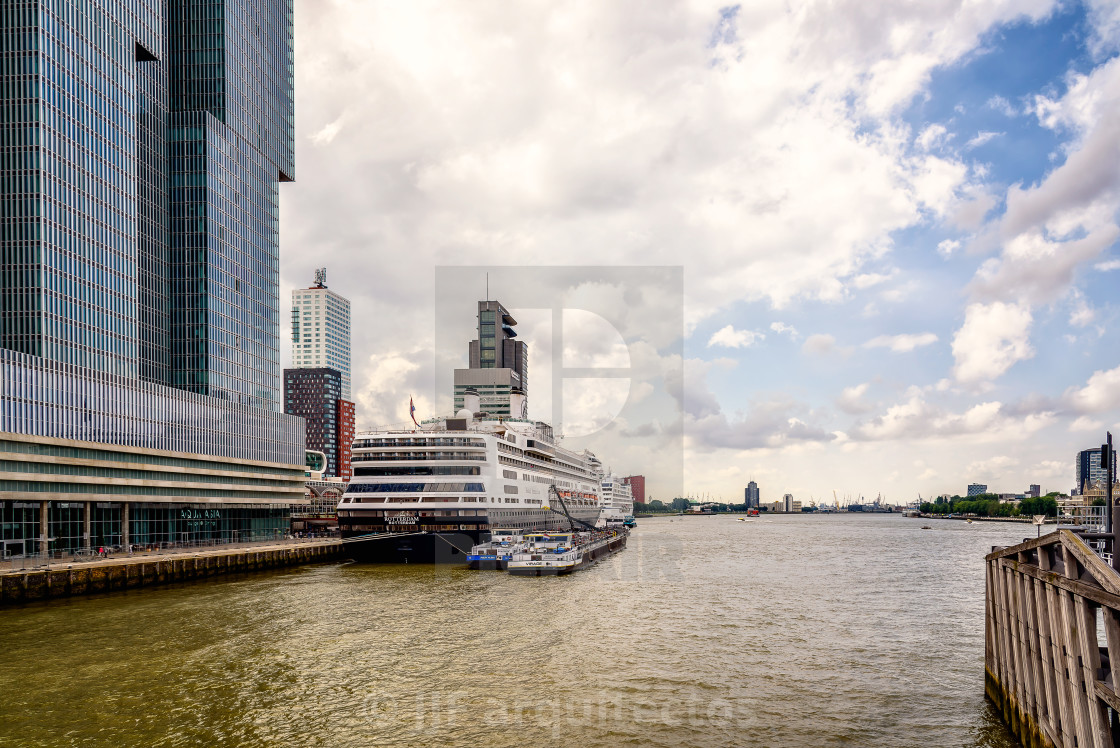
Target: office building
[315,396]
[637,485]
[975,489]
[1035,490]
[321,330]
[750,495]
[499,365]
[139,305]
[1089,470]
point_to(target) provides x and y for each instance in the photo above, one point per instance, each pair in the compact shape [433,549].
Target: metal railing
[36,561]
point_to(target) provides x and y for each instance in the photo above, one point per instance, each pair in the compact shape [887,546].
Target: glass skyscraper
[142,143]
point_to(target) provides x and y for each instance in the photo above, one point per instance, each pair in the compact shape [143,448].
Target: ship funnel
[471,401]
[518,404]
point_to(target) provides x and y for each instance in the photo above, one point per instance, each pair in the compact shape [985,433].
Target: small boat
[926,527]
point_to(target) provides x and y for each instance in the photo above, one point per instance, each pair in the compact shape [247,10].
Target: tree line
[989,505]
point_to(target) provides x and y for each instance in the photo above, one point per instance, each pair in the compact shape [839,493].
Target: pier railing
[1052,650]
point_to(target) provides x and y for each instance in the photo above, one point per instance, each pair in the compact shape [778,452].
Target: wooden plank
[1060,660]
[1090,664]
[990,626]
[1046,655]
[1112,637]
[1044,560]
[1030,666]
[1012,550]
[1107,695]
[1102,573]
[1034,644]
[1070,639]
[1015,654]
[1082,589]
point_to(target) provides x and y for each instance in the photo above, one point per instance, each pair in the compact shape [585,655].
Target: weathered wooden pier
[1052,654]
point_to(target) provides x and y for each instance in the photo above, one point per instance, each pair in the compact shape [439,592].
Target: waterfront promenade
[52,579]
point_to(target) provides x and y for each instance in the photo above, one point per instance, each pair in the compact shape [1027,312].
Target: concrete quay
[128,572]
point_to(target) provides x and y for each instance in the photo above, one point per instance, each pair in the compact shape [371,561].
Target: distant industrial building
[1035,490]
[975,489]
[750,495]
[637,485]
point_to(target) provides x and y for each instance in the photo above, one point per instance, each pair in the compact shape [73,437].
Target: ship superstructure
[618,500]
[444,486]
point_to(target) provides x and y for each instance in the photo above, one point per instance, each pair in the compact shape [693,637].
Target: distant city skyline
[898,230]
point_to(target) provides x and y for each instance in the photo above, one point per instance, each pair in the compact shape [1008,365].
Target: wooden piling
[1045,671]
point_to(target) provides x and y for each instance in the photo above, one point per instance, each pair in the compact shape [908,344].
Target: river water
[783,631]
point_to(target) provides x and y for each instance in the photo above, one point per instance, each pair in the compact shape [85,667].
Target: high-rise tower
[499,365]
[321,330]
[139,301]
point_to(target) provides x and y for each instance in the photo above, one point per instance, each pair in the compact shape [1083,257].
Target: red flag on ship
[412,411]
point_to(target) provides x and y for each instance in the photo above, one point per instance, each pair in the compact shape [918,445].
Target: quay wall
[147,571]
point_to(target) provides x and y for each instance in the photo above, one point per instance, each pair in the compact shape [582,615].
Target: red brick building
[637,485]
[345,413]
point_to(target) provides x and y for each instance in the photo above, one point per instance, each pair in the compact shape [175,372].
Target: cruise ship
[428,494]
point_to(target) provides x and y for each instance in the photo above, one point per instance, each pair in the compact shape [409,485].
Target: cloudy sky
[895,225]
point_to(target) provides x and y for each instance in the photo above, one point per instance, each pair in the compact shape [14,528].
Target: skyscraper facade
[750,495]
[499,365]
[321,330]
[315,396]
[141,147]
[1089,470]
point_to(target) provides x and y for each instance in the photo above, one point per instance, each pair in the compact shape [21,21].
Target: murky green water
[787,631]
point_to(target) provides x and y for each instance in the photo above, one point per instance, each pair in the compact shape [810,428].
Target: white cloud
[820,344]
[867,280]
[1099,395]
[782,328]
[947,247]
[1107,266]
[932,136]
[729,337]
[1037,269]
[1002,105]
[1082,314]
[916,418]
[851,399]
[993,468]
[992,339]
[329,131]
[1085,423]
[982,137]
[902,343]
